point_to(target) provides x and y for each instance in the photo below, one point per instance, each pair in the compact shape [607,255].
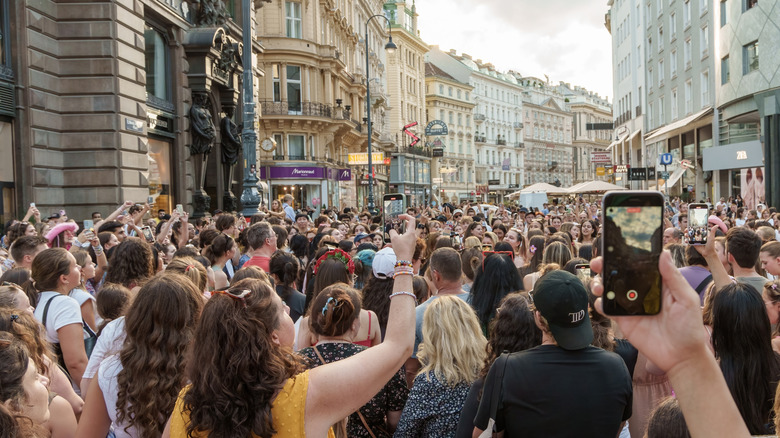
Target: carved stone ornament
[210,12]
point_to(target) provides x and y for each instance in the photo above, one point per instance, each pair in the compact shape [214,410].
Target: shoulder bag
[498,379]
[89,342]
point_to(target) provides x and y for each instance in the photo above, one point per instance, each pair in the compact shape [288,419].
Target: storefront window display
[159,156]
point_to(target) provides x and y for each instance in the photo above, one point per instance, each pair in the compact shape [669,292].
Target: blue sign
[666,159]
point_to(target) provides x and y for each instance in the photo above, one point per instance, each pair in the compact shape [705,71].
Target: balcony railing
[297,157]
[310,109]
[479,139]
[278,157]
[520,145]
[479,117]
[518,125]
[423,152]
[501,142]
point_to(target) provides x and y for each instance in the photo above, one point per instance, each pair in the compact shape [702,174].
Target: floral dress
[433,408]
[390,398]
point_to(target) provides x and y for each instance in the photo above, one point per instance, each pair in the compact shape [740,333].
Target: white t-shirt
[107,380]
[110,342]
[62,311]
[82,297]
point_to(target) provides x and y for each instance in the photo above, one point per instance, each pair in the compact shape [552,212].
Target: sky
[564,39]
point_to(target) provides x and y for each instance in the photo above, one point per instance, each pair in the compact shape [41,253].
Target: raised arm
[355,380]
[675,341]
[115,214]
[719,274]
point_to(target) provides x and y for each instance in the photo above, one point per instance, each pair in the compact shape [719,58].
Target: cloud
[564,39]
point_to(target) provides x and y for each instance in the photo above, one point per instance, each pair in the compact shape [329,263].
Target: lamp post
[390,47]
[250,197]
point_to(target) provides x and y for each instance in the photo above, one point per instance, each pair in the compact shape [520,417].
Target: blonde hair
[190,268]
[454,346]
[472,242]
[556,252]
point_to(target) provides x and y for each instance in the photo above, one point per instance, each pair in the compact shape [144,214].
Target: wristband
[98,249]
[402,263]
[395,294]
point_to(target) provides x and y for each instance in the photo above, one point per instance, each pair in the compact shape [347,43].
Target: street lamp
[250,197]
[390,47]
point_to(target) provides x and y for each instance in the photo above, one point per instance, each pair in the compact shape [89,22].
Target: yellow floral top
[287,411]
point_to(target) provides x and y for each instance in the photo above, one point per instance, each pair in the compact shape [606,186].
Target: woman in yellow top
[246,381]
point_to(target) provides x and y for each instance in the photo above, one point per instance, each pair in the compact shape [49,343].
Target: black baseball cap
[562,300]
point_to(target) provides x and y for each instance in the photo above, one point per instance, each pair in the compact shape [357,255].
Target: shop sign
[436,127]
[494,182]
[734,156]
[514,186]
[159,123]
[600,171]
[277,172]
[637,174]
[361,158]
[620,168]
[345,175]
[438,152]
[600,157]
[387,161]
[651,173]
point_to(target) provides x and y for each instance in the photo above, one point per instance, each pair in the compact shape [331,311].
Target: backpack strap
[46,308]
[497,383]
[703,284]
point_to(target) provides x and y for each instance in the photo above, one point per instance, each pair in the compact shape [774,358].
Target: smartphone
[150,200]
[698,215]
[89,224]
[394,205]
[32,204]
[583,272]
[147,232]
[179,208]
[631,246]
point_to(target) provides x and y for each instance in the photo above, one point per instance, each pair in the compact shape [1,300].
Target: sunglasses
[486,254]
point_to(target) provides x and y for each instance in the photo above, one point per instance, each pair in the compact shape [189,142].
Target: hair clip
[532,249]
[187,269]
[14,317]
[330,300]
[774,286]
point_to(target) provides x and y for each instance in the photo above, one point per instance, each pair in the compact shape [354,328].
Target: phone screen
[697,224]
[148,234]
[583,272]
[393,206]
[88,224]
[633,241]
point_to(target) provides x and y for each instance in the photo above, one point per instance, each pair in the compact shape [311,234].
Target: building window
[673,64]
[650,80]
[294,88]
[660,38]
[660,73]
[675,113]
[750,57]
[661,111]
[688,98]
[277,83]
[703,6]
[748,4]
[672,26]
[296,147]
[449,91]
[723,16]
[686,14]
[441,89]
[705,88]
[687,53]
[157,66]
[293,17]
[704,41]
[724,70]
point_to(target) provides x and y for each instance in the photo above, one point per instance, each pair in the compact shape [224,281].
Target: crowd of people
[477,319]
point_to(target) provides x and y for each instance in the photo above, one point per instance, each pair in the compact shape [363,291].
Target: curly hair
[231,394]
[513,329]
[132,262]
[160,325]
[15,231]
[25,328]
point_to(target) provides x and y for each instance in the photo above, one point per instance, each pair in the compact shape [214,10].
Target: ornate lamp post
[390,47]
[250,197]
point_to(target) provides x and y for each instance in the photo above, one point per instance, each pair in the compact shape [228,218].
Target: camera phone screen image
[583,272]
[148,234]
[632,245]
[697,225]
[393,207]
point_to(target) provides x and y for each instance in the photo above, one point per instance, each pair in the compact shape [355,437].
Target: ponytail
[334,310]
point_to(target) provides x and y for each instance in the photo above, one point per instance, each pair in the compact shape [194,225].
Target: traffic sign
[664,175]
[666,159]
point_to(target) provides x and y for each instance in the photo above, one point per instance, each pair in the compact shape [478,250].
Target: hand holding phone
[698,216]
[632,244]
[394,206]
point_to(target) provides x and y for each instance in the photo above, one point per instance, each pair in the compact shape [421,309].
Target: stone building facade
[103,96]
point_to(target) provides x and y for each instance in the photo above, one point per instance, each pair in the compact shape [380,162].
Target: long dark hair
[231,394]
[741,337]
[513,329]
[285,267]
[536,247]
[340,307]
[376,297]
[498,279]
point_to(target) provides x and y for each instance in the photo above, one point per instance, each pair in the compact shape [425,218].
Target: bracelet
[402,263]
[98,249]
[410,273]
[395,294]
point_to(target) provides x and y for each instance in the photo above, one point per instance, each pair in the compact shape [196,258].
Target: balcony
[422,152]
[296,157]
[520,145]
[312,109]
[501,142]
[518,125]
[479,118]
[479,139]
[278,157]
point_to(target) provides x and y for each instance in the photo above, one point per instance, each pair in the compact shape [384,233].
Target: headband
[339,255]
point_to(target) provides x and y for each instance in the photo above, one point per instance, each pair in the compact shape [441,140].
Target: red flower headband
[339,255]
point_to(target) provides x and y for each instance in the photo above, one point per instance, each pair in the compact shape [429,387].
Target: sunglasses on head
[238,297]
[486,254]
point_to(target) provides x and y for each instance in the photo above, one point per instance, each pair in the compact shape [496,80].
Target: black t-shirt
[551,392]
[295,300]
[628,352]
